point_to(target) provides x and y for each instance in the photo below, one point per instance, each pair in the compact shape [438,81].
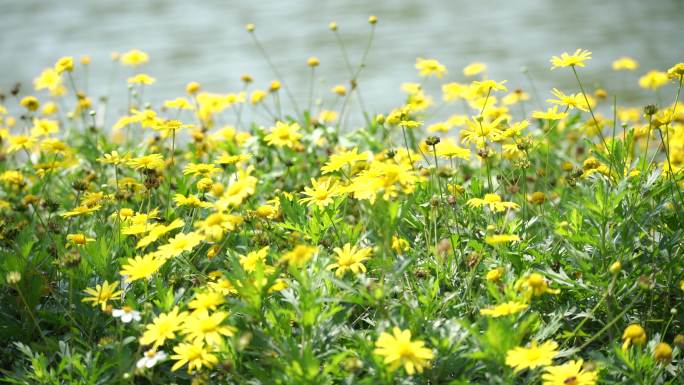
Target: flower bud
[313,62]
[615,267]
[13,277]
[663,353]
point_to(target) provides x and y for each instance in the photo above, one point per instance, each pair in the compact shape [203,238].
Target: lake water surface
[205,41]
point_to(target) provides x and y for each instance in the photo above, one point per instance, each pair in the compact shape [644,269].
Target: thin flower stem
[355,74]
[408,152]
[609,324]
[666,141]
[275,72]
[169,173]
[28,309]
[311,90]
[486,149]
[591,111]
[648,140]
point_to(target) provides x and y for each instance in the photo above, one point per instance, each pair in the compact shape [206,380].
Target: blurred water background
[205,41]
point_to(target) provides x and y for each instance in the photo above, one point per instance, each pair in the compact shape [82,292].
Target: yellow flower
[615,267]
[653,80]
[339,89]
[313,61]
[343,158]
[576,59]
[141,79]
[49,108]
[225,158]
[12,177]
[148,162]
[320,194]
[520,358]
[570,373]
[202,326]
[141,267]
[201,169]
[634,334]
[209,300]
[676,71]
[439,127]
[253,259]
[179,103]
[194,354]
[284,135]
[475,68]
[163,327]
[156,231]
[20,142]
[31,103]
[299,256]
[514,97]
[349,258]
[448,148]
[192,88]
[494,202]
[430,67]
[550,114]
[267,211]
[91,199]
[134,58]
[51,80]
[215,225]
[494,275]
[400,245]
[504,309]
[80,210]
[114,158]
[243,186]
[398,350]
[64,64]
[479,130]
[625,63]
[663,353]
[497,239]
[536,285]
[180,243]
[454,91]
[101,294]
[274,86]
[79,239]
[257,96]
[327,116]
[13,277]
[570,101]
[44,127]
[190,200]
[486,86]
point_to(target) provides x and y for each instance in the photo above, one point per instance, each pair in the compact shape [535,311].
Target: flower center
[406,351]
[207,326]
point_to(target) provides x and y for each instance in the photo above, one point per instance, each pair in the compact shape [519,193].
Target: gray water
[205,41]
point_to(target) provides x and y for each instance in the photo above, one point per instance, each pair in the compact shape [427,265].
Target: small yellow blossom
[397,350]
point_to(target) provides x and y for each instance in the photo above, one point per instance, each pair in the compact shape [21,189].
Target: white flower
[150,358]
[127,314]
